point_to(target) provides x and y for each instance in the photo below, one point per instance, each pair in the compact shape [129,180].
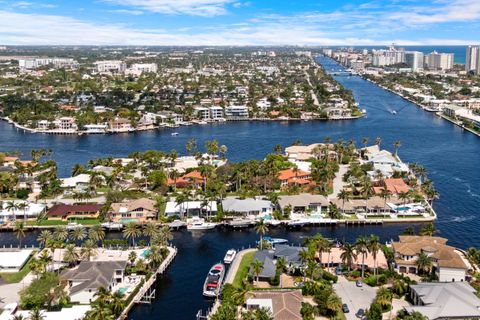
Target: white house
[194,208]
[216,112]
[20,209]
[77,183]
[248,206]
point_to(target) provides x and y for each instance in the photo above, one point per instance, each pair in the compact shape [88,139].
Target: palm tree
[60,233]
[385,194]
[365,142]
[44,237]
[12,206]
[155,256]
[424,262]
[79,233]
[150,230]
[70,255]
[96,233]
[404,196]
[281,264]
[19,229]
[348,254]
[396,145]
[257,267]
[428,230]
[117,303]
[132,231]
[45,259]
[374,247]
[361,246]
[163,236]
[333,304]
[18,317]
[132,256]
[36,314]
[88,249]
[384,297]
[261,228]
[344,196]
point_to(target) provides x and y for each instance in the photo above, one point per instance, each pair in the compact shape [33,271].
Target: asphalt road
[355,297]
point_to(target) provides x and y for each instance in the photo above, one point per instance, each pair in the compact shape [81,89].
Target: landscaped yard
[62,222]
[243,268]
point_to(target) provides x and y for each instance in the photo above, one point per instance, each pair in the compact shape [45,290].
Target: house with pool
[137,210]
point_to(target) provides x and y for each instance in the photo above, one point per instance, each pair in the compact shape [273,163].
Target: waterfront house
[137,210]
[394,185]
[456,300]
[294,177]
[120,125]
[74,211]
[302,153]
[236,113]
[13,260]
[283,305]
[85,280]
[447,261]
[20,210]
[268,265]
[304,202]
[333,259]
[248,206]
[79,183]
[191,208]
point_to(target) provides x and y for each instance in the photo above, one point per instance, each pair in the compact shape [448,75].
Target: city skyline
[231,22]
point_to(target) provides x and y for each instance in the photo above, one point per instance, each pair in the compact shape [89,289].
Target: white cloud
[207,8]
[125,11]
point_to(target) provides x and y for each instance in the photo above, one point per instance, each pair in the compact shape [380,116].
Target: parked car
[338,271]
[345,308]
[360,313]
[359,283]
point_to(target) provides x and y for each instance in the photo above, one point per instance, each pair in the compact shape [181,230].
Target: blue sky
[239,22]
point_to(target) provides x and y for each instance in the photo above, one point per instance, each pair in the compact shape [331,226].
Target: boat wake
[460,219]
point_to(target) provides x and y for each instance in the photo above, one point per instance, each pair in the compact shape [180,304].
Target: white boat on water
[174,134]
[275,241]
[199,224]
[73,226]
[240,223]
[229,256]
[177,224]
[112,225]
[394,112]
[213,282]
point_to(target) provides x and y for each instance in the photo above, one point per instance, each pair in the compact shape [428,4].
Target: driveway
[338,183]
[355,297]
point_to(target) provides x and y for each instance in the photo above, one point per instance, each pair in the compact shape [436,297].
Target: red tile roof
[289,173]
[64,209]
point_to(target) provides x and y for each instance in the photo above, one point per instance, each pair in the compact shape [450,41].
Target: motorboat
[199,224]
[112,225]
[229,256]
[73,226]
[394,112]
[177,224]
[213,282]
[275,241]
[240,223]
[174,134]
[273,222]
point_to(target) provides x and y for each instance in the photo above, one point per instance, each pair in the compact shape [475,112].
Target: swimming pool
[145,253]
[122,290]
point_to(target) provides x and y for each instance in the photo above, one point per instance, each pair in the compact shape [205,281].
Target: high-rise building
[388,57]
[414,59]
[435,61]
[472,61]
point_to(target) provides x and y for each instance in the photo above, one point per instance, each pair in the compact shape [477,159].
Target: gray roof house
[452,300]
[289,253]
[303,202]
[269,269]
[248,206]
[89,276]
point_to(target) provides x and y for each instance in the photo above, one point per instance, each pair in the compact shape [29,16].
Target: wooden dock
[147,293]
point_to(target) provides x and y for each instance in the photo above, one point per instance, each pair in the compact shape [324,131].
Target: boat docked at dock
[213,282]
[112,226]
[239,223]
[275,241]
[199,224]
[229,256]
[177,224]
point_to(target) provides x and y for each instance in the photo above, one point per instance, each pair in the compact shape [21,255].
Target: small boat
[174,134]
[213,282]
[199,224]
[112,225]
[229,256]
[73,226]
[275,241]
[240,223]
[273,222]
[177,224]
[394,112]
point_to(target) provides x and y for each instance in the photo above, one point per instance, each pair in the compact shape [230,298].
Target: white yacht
[213,282]
[199,224]
[229,256]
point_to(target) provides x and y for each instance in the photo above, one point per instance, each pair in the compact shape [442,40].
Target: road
[338,183]
[355,297]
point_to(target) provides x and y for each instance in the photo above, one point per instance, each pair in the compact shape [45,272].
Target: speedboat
[176,224]
[229,256]
[240,223]
[213,282]
[394,112]
[73,226]
[199,224]
[112,225]
[274,241]
[174,134]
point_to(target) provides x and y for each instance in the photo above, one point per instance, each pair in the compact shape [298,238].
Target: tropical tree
[156,256]
[373,247]
[44,237]
[36,314]
[96,233]
[344,196]
[132,231]
[348,255]
[60,233]
[70,254]
[385,194]
[384,297]
[79,233]
[132,256]
[424,263]
[333,304]
[19,230]
[361,246]
[257,267]
[261,228]
[88,249]
[428,230]
[162,237]
[150,230]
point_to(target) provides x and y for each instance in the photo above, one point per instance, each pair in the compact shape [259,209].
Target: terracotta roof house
[138,210]
[294,177]
[447,262]
[284,305]
[72,211]
[394,185]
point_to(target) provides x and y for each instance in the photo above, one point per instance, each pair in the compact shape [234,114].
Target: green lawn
[86,222]
[15,277]
[243,268]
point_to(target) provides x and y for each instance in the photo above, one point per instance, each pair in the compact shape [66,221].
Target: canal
[450,155]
